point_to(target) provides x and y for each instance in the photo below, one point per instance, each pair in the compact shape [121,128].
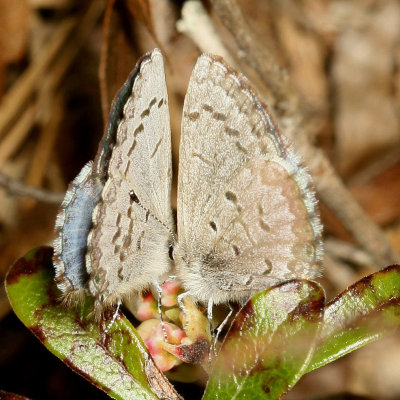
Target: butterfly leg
[114,317]
[159,292]
[182,306]
[210,322]
[220,327]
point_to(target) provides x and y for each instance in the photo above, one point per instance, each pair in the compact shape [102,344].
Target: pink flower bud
[152,334]
[146,308]
[170,292]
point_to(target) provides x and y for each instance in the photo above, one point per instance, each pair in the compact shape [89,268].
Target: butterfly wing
[246,212]
[72,228]
[128,245]
[74,220]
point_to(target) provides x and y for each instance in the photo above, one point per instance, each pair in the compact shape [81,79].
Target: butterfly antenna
[135,199]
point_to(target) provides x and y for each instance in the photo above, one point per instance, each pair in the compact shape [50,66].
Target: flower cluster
[181,336]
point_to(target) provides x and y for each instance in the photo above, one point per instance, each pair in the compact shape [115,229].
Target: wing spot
[193,116]
[117,249]
[231,196]
[122,256]
[219,116]
[132,148]
[263,148]
[269,266]
[236,250]
[138,130]
[130,227]
[213,226]
[133,197]
[127,241]
[171,252]
[156,148]
[120,276]
[116,235]
[249,280]
[145,113]
[152,102]
[241,148]
[160,103]
[128,165]
[139,241]
[264,226]
[118,220]
[201,158]
[255,131]
[207,107]
[232,132]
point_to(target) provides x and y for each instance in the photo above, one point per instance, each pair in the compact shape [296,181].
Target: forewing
[245,204]
[128,245]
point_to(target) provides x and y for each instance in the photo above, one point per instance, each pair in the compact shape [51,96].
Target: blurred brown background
[61,65]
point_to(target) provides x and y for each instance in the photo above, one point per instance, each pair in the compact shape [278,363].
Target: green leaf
[116,361]
[363,313]
[270,343]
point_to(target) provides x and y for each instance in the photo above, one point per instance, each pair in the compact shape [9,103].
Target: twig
[18,188]
[22,90]
[78,38]
[375,168]
[338,273]
[329,185]
[348,252]
[44,146]
[16,136]
[258,55]
[54,76]
[197,24]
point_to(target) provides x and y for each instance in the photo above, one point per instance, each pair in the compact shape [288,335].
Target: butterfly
[247,216]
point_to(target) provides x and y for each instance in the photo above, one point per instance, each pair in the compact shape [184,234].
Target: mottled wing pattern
[74,221]
[128,246]
[246,212]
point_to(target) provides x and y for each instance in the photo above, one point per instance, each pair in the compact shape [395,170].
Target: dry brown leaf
[141,10]
[365,119]
[307,63]
[118,52]
[380,197]
[14,23]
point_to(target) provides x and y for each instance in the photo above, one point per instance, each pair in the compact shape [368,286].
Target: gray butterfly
[246,216]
